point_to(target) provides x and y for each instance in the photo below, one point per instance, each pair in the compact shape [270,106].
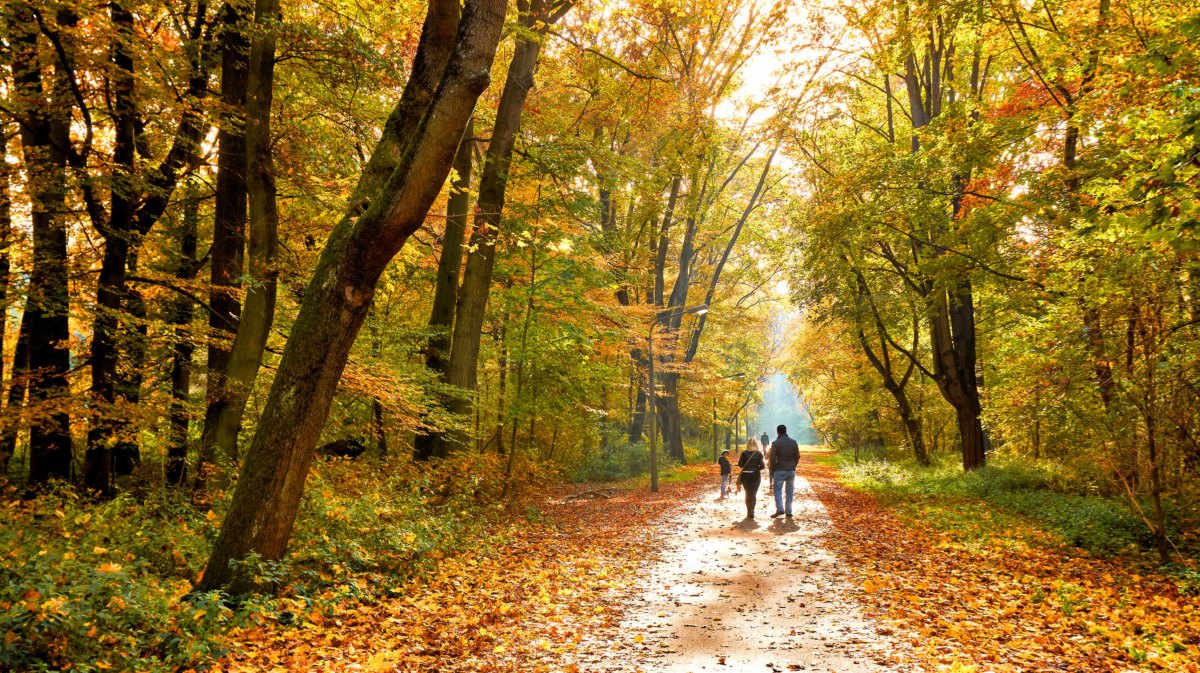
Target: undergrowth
[90,586]
[978,504]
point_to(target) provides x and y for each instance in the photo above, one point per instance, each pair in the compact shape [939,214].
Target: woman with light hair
[752,464]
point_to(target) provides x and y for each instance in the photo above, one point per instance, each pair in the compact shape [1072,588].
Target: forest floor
[678,582]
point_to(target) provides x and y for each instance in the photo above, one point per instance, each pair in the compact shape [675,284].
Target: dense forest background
[237,234]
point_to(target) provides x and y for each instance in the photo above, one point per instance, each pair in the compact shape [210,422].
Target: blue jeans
[779,478]
[725,484]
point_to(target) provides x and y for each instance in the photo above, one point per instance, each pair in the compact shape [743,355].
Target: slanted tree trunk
[45,138]
[337,300]
[229,220]
[672,419]
[882,362]
[258,310]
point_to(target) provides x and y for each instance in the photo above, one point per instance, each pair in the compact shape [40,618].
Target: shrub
[614,462]
[1053,495]
[105,585]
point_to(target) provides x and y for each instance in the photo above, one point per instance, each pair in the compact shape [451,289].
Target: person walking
[785,456]
[767,446]
[752,464]
[726,473]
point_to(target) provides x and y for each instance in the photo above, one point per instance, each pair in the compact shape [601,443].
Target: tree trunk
[445,295]
[493,183]
[229,220]
[670,418]
[6,173]
[637,424]
[181,360]
[258,311]
[111,285]
[265,502]
[18,387]
[953,343]
[45,136]
[502,366]
[673,421]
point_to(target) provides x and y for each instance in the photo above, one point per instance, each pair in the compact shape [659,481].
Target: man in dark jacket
[726,473]
[785,456]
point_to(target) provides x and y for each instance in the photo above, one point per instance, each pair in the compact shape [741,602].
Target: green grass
[1004,496]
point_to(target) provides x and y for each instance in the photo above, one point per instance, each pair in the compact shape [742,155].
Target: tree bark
[18,387]
[360,247]
[229,219]
[445,295]
[6,232]
[952,319]
[181,360]
[111,285]
[637,424]
[133,211]
[45,137]
[258,311]
[493,182]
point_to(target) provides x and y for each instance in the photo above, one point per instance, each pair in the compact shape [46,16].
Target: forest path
[727,594]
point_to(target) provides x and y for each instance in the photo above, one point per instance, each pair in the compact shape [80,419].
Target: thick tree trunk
[670,418]
[111,285]
[360,247]
[637,424]
[181,360]
[258,311]
[229,219]
[953,342]
[445,295]
[952,320]
[45,136]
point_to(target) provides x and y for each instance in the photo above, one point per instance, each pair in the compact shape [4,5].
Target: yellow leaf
[383,661]
[638,638]
[109,568]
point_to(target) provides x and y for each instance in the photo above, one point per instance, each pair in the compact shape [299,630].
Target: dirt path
[729,594]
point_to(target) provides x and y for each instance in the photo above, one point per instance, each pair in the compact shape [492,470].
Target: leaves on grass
[524,605]
[1007,600]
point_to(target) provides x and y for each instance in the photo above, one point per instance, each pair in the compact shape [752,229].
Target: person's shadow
[748,524]
[783,526]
